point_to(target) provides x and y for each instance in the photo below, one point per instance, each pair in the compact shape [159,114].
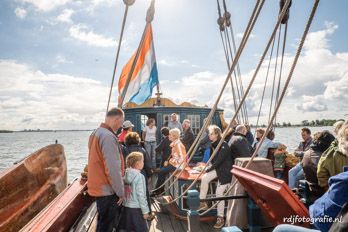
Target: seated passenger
[296,173]
[249,135]
[220,168]
[267,143]
[334,159]
[321,142]
[163,147]
[188,136]
[177,161]
[326,208]
[204,146]
[279,161]
[239,144]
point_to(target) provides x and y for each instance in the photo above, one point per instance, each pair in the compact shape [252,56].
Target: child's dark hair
[165,131]
[133,158]
[132,138]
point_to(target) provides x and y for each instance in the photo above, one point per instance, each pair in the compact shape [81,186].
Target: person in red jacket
[106,170]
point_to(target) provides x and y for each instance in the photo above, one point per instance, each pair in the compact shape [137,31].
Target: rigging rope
[275,73]
[221,23]
[127,3]
[281,63]
[264,86]
[246,35]
[298,52]
[228,66]
[241,103]
[194,146]
[227,16]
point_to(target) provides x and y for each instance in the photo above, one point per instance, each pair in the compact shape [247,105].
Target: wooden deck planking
[178,226]
[166,222]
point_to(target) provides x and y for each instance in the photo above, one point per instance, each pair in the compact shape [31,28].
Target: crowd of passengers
[319,160]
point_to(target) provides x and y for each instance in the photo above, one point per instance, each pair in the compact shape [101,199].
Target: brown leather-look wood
[30,185]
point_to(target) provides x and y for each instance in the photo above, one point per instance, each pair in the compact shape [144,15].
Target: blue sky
[57,57]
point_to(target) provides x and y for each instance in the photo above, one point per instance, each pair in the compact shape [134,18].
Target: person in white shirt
[174,123]
[149,137]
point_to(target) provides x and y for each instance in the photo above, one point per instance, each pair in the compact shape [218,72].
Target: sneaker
[220,222]
[203,206]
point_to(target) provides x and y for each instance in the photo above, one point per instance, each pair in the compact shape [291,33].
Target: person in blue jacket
[326,208]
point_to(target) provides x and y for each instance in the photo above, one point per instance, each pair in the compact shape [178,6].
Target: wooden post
[193,215]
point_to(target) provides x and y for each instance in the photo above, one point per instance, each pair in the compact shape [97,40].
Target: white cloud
[20,13]
[166,63]
[240,35]
[312,104]
[337,90]
[62,60]
[82,33]
[319,39]
[65,16]
[319,87]
[30,98]
[46,5]
[102,2]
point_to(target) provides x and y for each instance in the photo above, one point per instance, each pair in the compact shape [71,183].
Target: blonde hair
[260,130]
[215,129]
[175,132]
[133,158]
[342,138]
[337,126]
[281,149]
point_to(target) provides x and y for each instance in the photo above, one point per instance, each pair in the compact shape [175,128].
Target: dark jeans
[279,174]
[162,176]
[132,220]
[108,213]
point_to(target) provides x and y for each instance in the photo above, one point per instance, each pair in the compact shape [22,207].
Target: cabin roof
[161,102]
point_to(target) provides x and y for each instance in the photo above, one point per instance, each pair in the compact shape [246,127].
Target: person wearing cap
[174,123]
[127,127]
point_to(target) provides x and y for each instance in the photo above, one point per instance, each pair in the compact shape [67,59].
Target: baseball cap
[127,124]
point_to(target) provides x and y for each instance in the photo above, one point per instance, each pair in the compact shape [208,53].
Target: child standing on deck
[136,209]
[279,161]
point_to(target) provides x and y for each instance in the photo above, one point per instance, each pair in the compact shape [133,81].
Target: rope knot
[287,14]
[129,2]
[220,22]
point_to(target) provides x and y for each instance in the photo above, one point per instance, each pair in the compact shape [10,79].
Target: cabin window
[143,119]
[195,123]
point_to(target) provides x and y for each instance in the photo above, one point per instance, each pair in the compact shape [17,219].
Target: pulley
[286,17]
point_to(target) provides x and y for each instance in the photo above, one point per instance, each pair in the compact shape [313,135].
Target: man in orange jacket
[106,170]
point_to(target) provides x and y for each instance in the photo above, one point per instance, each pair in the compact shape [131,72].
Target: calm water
[15,146]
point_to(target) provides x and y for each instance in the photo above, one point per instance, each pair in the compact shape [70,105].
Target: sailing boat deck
[168,223]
